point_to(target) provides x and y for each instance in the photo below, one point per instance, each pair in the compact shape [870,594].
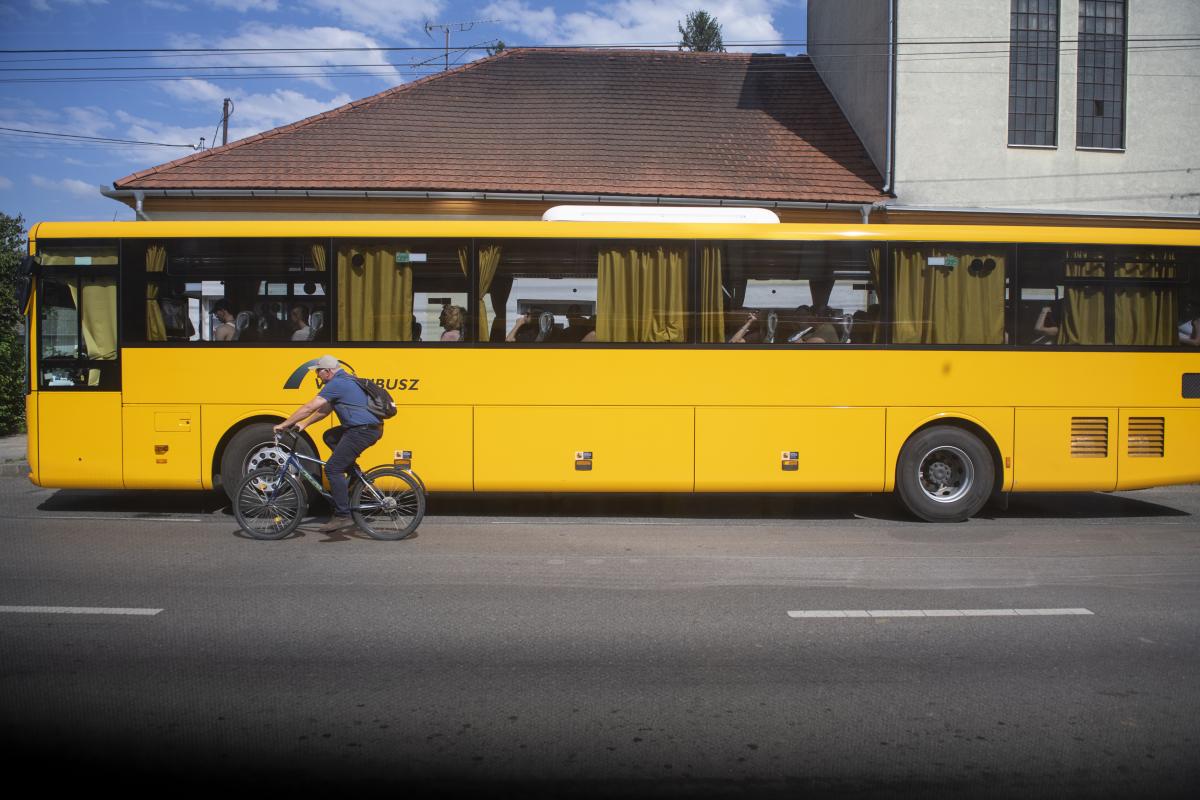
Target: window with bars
[1033,73]
[1100,117]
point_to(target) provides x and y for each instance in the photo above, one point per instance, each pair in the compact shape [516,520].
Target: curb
[14,469]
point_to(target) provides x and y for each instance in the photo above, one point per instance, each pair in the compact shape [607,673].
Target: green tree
[12,350]
[498,47]
[701,33]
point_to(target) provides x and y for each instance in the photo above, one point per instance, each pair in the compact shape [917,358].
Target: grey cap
[327,362]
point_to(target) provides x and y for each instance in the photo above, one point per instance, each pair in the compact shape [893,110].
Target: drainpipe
[891,99]
[138,197]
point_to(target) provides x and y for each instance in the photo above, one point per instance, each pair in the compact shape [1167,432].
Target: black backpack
[379,400]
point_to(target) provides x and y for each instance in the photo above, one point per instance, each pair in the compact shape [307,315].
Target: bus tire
[944,474]
[251,448]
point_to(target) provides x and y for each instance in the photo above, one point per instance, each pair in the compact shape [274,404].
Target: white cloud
[70,185]
[247,5]
[257,36]
[636,22]
[252,113]
[5,183]
[46,5]
[393,17]
[166,5]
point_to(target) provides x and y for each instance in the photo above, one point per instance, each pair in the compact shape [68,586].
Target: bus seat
[241,323]
[545,326]
[772,326]
[316,321]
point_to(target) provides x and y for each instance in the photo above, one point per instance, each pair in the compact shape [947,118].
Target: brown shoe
[336,523]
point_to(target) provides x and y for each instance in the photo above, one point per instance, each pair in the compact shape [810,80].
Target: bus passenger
[579,328]
[1046,327]
[301,331]
[225,330]
[1189,329]
[520,322]
[451,320]
[740,336]
[523,329]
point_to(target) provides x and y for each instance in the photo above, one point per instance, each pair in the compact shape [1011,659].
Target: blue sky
[113,96]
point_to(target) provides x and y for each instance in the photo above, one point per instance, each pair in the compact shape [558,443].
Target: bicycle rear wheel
[388,504]
[269,503]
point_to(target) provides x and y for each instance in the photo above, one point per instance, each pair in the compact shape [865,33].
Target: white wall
[848,44]
[952,123]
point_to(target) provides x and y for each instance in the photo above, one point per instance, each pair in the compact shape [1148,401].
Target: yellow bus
[949,364]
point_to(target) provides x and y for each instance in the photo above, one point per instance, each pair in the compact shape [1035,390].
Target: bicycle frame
[294,460]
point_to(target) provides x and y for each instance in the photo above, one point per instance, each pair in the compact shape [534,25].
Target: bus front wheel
[944,474]
[251,448]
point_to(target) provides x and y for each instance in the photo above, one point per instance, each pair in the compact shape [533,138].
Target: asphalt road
[605,646]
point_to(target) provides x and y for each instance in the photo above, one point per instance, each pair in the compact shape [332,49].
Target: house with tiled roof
[507,137]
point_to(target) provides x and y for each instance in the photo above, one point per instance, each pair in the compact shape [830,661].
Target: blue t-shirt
[348,400]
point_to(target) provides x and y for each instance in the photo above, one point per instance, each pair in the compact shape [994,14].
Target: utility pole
[452,26]
[225,121]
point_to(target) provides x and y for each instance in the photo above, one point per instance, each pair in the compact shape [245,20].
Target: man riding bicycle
[359,430]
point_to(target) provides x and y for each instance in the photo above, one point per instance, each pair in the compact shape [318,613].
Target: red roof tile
[607,122]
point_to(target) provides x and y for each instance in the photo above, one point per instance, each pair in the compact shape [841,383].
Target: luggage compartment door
[753,449]
[584,449]
[162,447]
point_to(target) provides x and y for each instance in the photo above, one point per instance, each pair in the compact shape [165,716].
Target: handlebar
[292,432]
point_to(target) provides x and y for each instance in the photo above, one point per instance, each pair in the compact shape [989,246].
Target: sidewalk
[12,457]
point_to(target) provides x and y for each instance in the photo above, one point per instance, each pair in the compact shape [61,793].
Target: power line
[1149,38]
[27,132]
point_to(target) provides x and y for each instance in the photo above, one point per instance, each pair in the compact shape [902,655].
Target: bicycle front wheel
[269,503]
[388,504]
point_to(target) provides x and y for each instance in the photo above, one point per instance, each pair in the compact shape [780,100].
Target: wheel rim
[946,474]
[265,454]
[268,506]
[394,511]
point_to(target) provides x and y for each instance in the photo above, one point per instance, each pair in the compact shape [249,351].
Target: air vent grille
[1147,436]
[1089,437]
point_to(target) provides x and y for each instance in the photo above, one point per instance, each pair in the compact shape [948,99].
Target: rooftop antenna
[446,27]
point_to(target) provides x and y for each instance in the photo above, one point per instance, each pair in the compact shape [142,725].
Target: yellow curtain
[1146,315]
[489,262]
[641,293]
[875,257]
[156,326]
[958,302]
[712,297]
[375,302]
[98,308]
[1083,306]
[318,257]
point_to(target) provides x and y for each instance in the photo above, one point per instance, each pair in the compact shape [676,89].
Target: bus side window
[952,293]
[77,329]
[797,293]
[403,290]
[227,291]
[1106,295]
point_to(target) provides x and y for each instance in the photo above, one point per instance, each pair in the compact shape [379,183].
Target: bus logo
[296,378]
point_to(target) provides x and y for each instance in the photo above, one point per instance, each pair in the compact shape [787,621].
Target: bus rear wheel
[251,448]
[944,474]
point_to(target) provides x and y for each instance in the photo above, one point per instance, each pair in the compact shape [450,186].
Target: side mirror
[25,274]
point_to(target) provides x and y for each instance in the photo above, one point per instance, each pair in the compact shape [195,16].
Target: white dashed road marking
[135,612]
[942,612]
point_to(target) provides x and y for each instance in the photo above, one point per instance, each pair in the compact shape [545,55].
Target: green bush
[12,327]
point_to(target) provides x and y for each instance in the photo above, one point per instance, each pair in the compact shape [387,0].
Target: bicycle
[386,502]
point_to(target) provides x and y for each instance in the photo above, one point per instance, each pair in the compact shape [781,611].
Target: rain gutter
[138,195]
